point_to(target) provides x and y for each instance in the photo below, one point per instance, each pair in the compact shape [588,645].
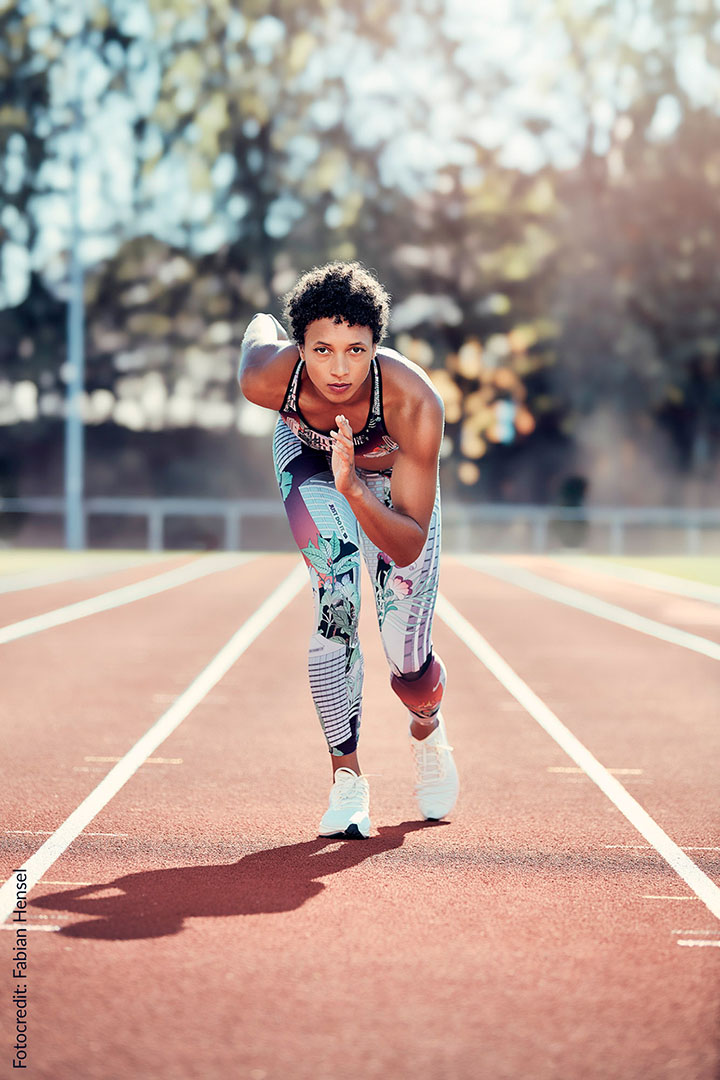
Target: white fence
[499,526]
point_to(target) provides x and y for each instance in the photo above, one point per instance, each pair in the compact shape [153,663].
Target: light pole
[74,429]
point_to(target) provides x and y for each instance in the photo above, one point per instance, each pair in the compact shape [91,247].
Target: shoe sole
[353,832]
[437,817]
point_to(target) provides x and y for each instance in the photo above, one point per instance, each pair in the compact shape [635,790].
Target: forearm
[398,535]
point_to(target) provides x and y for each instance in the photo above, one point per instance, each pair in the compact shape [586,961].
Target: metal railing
[546,525]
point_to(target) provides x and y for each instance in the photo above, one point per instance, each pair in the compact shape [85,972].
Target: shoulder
[265,376]
[413,409]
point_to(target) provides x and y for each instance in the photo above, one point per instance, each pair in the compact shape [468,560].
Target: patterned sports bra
[372,441]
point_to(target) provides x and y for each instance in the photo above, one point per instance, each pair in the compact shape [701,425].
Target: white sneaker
[436,777]
[348,813]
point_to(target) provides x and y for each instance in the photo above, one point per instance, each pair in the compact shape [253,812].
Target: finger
[343,424]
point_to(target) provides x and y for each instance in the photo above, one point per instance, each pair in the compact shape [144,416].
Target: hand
[343,458]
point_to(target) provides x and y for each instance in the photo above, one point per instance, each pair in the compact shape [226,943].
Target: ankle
[421,729]
[346,761]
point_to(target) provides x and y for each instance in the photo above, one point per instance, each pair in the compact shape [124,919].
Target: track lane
[634,701]
[676,582]
[91,688]
[26,603]
[512,941]
[50,568]
[695,879]
[690,614]
[139,754]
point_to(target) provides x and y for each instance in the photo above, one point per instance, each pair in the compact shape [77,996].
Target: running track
[196,927]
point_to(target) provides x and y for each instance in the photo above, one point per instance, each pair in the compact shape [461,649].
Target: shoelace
[429,765]
[347,790]
[349,793]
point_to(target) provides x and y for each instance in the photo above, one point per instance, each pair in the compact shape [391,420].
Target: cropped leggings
[331,542]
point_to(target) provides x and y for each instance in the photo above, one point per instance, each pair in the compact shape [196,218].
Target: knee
[422,691]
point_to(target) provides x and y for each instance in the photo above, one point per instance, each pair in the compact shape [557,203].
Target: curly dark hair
[338,290]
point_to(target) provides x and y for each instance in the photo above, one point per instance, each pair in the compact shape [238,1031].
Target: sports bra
[372,441]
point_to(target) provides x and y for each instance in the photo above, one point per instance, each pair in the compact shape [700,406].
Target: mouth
[338,388]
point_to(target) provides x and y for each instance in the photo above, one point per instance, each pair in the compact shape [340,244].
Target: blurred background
[536,183]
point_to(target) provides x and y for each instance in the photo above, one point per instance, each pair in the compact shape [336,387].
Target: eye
[320,348]
[359,348]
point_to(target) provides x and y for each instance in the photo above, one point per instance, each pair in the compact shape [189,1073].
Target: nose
[340,367]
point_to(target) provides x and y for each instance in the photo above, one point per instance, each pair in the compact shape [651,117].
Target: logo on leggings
[334,511]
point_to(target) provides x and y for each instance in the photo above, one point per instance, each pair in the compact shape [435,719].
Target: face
[337,357]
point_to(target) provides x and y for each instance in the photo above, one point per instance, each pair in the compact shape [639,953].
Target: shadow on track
[155,903]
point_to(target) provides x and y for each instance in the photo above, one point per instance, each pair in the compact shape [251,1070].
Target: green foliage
[551,292]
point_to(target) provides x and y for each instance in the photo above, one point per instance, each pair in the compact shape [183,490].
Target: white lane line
[700,933]
[88,568]
[171,579]
[652,896]
[55,845]
[35,918]
[702,886]
[28,926]
[713,944]
[563,594]
[649,579]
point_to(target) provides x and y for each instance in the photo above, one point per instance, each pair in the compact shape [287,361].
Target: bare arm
[402,531]
[262,330]
[266,359]
[260,343]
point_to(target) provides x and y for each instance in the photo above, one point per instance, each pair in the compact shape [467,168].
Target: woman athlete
[356,451]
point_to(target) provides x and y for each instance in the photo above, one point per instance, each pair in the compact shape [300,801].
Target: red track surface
[219,937]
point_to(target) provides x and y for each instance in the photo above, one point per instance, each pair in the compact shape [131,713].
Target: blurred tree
[636,277]
[545,272]
[24,78]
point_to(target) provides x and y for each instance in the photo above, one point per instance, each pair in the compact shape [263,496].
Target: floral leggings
[331,541]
